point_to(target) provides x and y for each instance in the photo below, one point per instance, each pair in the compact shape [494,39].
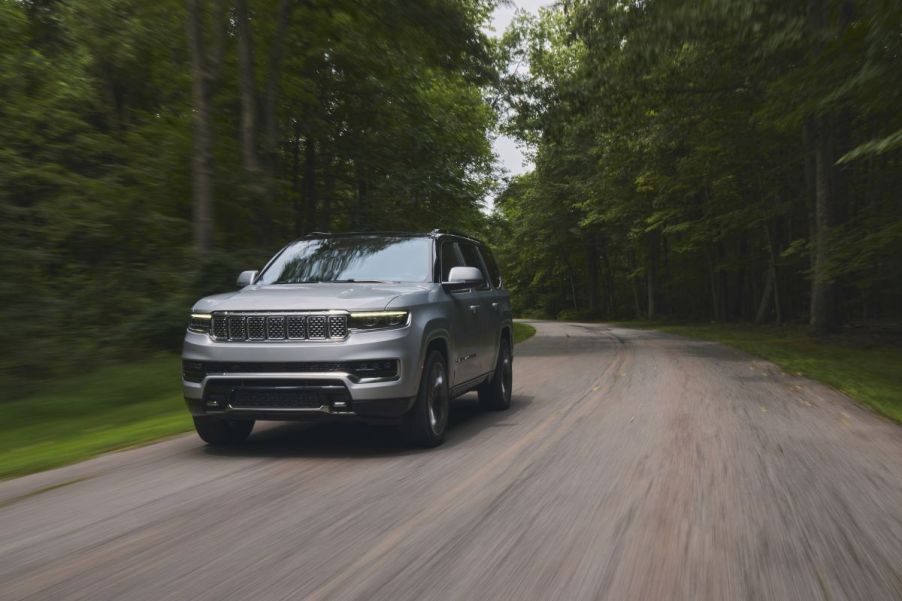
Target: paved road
[632,465]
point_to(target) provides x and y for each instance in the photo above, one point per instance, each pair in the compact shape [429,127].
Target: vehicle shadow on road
[331,439]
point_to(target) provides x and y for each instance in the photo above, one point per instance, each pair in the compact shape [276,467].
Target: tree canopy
[150,150]
[722,160]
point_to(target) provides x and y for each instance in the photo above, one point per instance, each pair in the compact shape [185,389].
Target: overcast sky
[505,148]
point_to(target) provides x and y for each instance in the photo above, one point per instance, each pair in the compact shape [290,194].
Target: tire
[424,425]
[495,394]
[216,431]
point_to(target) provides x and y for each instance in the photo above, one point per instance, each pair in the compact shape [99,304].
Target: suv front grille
[273,394]
[240,327]
[275,399]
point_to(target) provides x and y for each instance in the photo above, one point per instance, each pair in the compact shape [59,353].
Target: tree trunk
[772,255]
[203,70]
[248,89]
[310,182]
[712,273]
[738,309]
[296,193]
[325,213]
[651,274]
[823,286]
[822,318]
[637,307]
[358,216]
[592,266]
[608,270]
[270,100]
[572,287]
[761,315]
[808,146]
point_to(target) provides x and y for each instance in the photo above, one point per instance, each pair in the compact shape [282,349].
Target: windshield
[352,259]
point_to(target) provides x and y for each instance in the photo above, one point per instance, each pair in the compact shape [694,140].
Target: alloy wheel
[437,399]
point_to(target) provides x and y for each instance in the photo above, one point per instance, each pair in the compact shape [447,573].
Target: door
[486,308]
[465,320]
[499,297]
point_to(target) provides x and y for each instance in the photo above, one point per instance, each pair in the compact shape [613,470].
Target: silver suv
[384,328]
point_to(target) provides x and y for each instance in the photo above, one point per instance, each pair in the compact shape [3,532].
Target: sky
[509,155]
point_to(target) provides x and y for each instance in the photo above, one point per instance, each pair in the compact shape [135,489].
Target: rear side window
[472,259]
[494,272]
[450,258]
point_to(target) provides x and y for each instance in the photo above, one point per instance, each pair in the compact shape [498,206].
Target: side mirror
[461,278]
[246,278]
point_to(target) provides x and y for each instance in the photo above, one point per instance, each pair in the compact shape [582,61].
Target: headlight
[377,320]
[200,322]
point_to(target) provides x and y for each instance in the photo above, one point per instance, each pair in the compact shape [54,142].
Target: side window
[471,259]
[494,272]
[450,258]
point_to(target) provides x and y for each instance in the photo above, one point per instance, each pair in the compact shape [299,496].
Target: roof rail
[438,231]
[434,232]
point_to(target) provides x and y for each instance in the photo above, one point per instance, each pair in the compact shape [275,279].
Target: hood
[308,297]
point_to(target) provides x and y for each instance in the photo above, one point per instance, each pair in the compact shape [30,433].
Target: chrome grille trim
[316,327]
[220,326]
[296,327]
[279,326]
[338,326]
[275,327]
[256,327]
[236,327]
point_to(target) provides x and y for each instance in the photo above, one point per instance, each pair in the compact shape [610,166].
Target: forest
[716,160]
[151,150]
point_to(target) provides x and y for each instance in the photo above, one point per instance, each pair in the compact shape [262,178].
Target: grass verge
[112,408]
[522,331]
[79,417]
[869,372]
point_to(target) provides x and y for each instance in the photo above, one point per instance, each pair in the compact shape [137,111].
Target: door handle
[474,309]
[495,306]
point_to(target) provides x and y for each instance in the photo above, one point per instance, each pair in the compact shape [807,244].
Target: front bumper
[326,394]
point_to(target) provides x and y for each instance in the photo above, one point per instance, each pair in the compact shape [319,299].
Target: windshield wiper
[347,281]
[353,281]
[289,283]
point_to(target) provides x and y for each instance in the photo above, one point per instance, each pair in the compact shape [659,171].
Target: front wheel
[496,393]
[424,425]
[217,431]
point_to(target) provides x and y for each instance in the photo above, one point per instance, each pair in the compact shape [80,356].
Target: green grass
[868,371]
[522,331]
[111,408]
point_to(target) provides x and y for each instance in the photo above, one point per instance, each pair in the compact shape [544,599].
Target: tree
[699,142]
[154,149]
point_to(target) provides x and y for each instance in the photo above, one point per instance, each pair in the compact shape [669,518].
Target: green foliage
[675,159]
[81,416]
[367,115]
[523,331]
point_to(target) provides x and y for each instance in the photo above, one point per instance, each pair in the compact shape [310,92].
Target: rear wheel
[496,393]
[424,425]
[218,431]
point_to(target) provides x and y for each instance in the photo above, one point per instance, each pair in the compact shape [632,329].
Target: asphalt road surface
[631,465]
